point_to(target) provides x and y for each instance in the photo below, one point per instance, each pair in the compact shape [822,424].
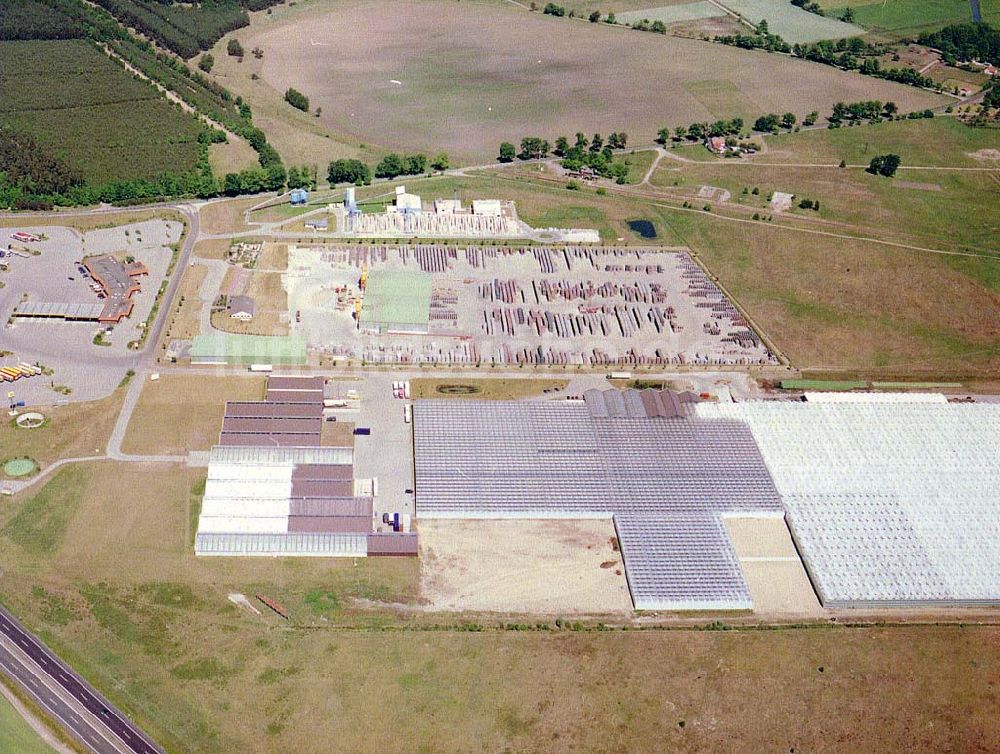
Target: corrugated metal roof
[269,425]
[292,544]
[288,382]
[250,409]
[278,440]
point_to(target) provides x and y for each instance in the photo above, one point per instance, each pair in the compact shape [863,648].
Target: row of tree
[760,39]
[535,147]
[184,28]
[857,55]
[391,166]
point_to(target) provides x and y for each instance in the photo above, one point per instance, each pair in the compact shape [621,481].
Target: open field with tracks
[494,72]
[152,627]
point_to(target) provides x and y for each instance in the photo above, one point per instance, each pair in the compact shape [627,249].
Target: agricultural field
[152,627]
[501,73]
[791,23]
[910,18]
[71,98]
[179,413]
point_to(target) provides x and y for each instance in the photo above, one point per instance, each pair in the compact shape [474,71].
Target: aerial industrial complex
[869,485]
[543,306]
[278,487]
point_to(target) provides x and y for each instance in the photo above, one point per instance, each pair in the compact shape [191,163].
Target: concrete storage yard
[48,272]
[574,305]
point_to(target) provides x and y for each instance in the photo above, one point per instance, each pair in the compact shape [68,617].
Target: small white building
[241,307]
[487,207]
[447,206]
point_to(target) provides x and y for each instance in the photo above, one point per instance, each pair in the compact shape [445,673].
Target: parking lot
[48,271]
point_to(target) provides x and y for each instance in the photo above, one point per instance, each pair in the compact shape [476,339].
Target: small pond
[644,228]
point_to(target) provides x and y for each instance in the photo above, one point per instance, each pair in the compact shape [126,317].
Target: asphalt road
[87,716]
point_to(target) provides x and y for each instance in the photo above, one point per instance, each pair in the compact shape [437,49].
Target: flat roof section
[263,424]
[281,382]
[269,439]
[72,312]
[666,481]
[227,348]
[397,298]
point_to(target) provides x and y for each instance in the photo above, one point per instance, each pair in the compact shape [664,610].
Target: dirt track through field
[464,77]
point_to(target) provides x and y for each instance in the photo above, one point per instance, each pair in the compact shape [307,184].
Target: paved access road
[88,716]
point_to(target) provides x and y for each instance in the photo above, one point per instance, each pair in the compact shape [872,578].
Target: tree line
[390,166]
[185,29]
[595,153]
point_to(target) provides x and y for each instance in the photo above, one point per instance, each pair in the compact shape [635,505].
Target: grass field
[151,626]
[482,389]
[76,429]
[791,23]
[16,735]
[941,142]
[925,208]
[910,18]
[494,72]
[179,413]
[71,98]
[836,304]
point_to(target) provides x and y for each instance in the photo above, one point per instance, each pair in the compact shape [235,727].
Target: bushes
[393,165]
[297,99]
[348,171]
[884,164]
[507,152]
[234,49]
[206,62]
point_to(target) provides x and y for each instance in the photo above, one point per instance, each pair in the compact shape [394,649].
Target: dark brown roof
[332,506]
[322,471]
[276,382]
[295,396]
[269,440]
[273,409]
[322,487]
[268,425]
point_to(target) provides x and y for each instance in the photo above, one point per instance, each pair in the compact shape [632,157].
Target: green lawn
[911,17]
[16,736]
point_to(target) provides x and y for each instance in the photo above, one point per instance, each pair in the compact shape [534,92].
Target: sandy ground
[771,566]
[545,567]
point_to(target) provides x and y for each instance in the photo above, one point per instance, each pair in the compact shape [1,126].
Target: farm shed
[242,308]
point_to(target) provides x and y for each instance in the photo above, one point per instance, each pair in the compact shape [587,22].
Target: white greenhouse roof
[890,503]
[848,397]
[276,545]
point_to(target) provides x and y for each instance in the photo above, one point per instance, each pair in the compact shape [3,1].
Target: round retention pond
[19,467]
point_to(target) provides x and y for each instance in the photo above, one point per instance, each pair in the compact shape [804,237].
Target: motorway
[65,696]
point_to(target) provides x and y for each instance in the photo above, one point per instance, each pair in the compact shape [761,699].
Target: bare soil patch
[546,567]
